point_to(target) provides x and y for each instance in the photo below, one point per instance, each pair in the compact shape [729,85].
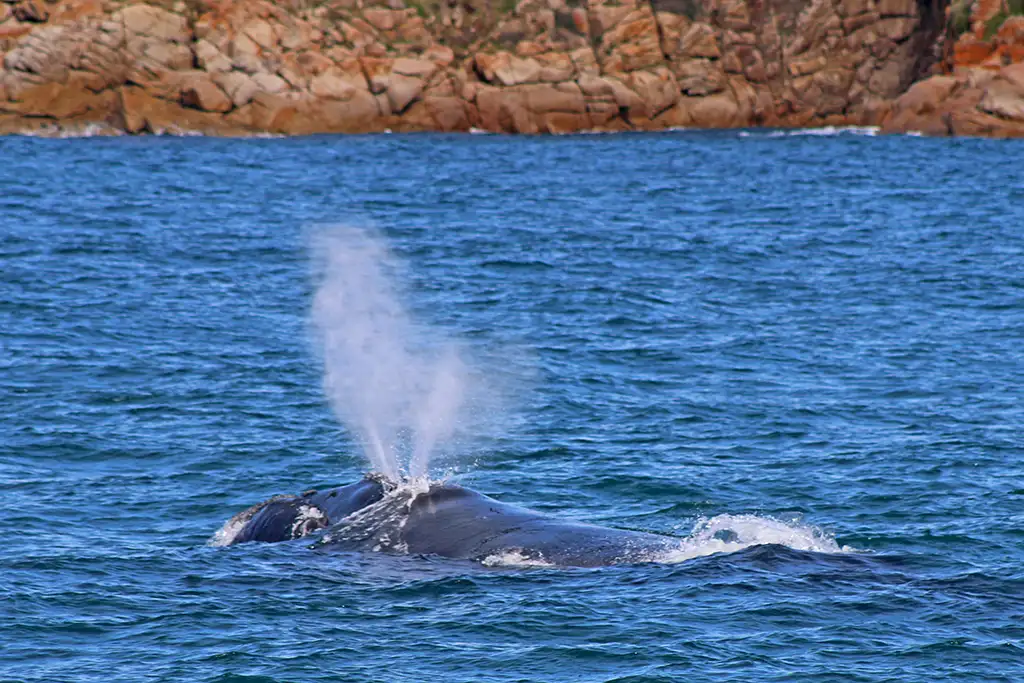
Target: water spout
[398,385]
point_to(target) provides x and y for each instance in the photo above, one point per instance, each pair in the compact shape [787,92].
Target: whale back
[456,522]
[453,521]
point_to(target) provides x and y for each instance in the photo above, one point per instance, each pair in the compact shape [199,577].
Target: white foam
[88,130]
[103,130]
[414,486]
[177,132]
[514,558]
[870,131]
[824,131]
[731,533]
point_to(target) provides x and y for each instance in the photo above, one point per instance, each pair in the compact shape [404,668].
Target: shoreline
[59,132]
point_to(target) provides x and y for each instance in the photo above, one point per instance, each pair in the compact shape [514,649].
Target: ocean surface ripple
[689,331]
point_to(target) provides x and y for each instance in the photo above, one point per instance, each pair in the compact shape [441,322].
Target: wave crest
[732,533]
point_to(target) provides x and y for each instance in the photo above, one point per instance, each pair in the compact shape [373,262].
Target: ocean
[801,353]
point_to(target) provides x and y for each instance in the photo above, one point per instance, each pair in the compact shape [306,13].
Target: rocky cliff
[536,66]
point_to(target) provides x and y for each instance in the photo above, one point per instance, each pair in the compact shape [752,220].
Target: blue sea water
[827,331]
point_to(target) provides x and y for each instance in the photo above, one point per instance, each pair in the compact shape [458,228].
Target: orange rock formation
[540,66]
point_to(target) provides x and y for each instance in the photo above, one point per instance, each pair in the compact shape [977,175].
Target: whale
[289,517]
[440,519]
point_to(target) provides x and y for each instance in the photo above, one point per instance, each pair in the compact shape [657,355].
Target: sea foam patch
[732,533]
[824,131]
[514,558]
